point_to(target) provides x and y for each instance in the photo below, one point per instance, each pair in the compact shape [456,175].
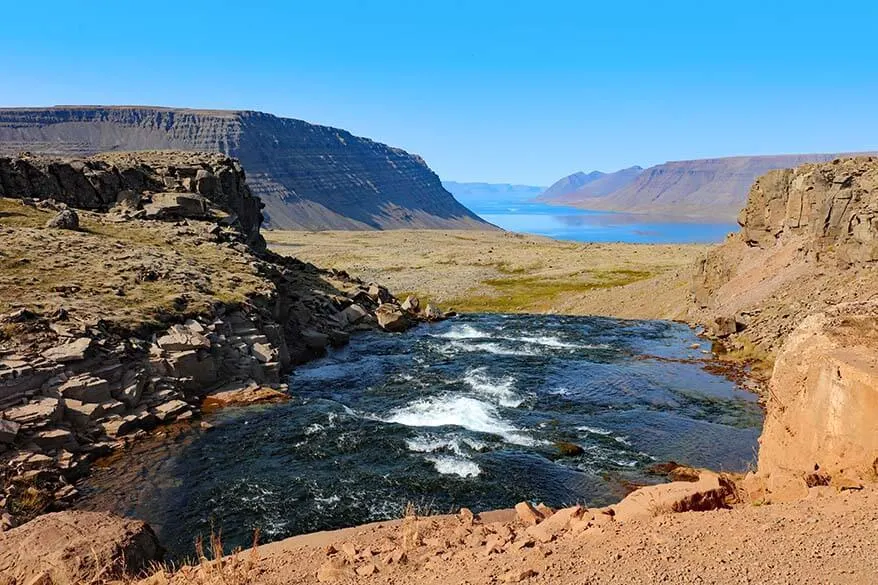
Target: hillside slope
[597,186]
[710,188]
[308,176]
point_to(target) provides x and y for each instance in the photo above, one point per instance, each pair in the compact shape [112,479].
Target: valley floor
[508,272]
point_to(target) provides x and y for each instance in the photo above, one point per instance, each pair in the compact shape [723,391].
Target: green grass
[535,293]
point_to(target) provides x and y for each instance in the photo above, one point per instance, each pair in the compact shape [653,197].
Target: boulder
[73,547]
[170,410]
[433,313]
[182,205]
[710,492]
[86,388]
[352,315]
[243,396]
[81,414]
[315,340]
[118,426]
[339,338]
[8,430]
[41,411]
[128,200]
[391,318]
[192,364]
[823,400]
[52,439]
[411,304]
[69,352]
[66,219]
[183,338]
[263,352]
[725,326]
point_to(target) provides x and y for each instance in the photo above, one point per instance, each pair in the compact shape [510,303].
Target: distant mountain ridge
[309,176]
[594,184]
[474,192]
[714,189]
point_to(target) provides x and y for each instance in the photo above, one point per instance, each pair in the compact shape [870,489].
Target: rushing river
[467,412]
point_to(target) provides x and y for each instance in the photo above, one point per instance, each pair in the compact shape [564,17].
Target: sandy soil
[828,538]
[503,271]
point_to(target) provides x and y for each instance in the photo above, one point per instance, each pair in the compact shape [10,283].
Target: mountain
[468,193]
[569,184]
[598,185]
[309,176]
[709,188]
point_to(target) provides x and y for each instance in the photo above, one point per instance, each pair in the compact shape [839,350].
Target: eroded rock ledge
[131,320]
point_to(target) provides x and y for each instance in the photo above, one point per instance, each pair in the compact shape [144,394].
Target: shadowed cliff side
[308,176]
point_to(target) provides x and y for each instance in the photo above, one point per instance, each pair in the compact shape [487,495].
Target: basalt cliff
[308,176]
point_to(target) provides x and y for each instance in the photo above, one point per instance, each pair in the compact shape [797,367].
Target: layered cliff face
[800,282]
[308,176]
[715,188]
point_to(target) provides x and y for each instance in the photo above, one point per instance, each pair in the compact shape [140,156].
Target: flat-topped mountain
[713,188]
[308,176]
[468,193]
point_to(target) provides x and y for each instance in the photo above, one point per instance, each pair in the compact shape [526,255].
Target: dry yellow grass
[130,274]
[506,272]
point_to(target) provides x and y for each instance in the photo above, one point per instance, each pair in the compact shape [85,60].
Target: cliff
[799,283]
[714,189]
[308,176]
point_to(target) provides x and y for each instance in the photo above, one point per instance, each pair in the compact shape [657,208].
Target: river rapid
[479,411]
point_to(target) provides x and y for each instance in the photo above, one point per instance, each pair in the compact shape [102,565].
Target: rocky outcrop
[823,402]
[70,548]
[163,184]
[808,241]
[799,283]
[709,188]
[308,176]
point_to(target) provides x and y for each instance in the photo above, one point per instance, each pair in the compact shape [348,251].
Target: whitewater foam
[497,390]
[463,332]
[449,465]
[458,411]
[493,348]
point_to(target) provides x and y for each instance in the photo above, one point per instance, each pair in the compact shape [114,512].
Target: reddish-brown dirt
[828,538]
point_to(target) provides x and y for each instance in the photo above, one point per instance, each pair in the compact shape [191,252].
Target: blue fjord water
[466,412]
[568,223]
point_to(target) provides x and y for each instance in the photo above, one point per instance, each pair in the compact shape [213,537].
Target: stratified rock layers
[308,176]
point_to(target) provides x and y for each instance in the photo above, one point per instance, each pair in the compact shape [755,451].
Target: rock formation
[799,283]
[710,188]
[157,179]
[70,548]
[308,176]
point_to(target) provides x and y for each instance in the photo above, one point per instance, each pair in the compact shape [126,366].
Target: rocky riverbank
[159,302]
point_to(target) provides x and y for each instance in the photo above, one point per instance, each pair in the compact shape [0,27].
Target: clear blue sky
[505,91]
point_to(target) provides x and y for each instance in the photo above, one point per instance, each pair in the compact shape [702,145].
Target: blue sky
[505,91]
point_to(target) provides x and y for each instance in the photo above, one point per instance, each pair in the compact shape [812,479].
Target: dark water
[461,413]
[568,223]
